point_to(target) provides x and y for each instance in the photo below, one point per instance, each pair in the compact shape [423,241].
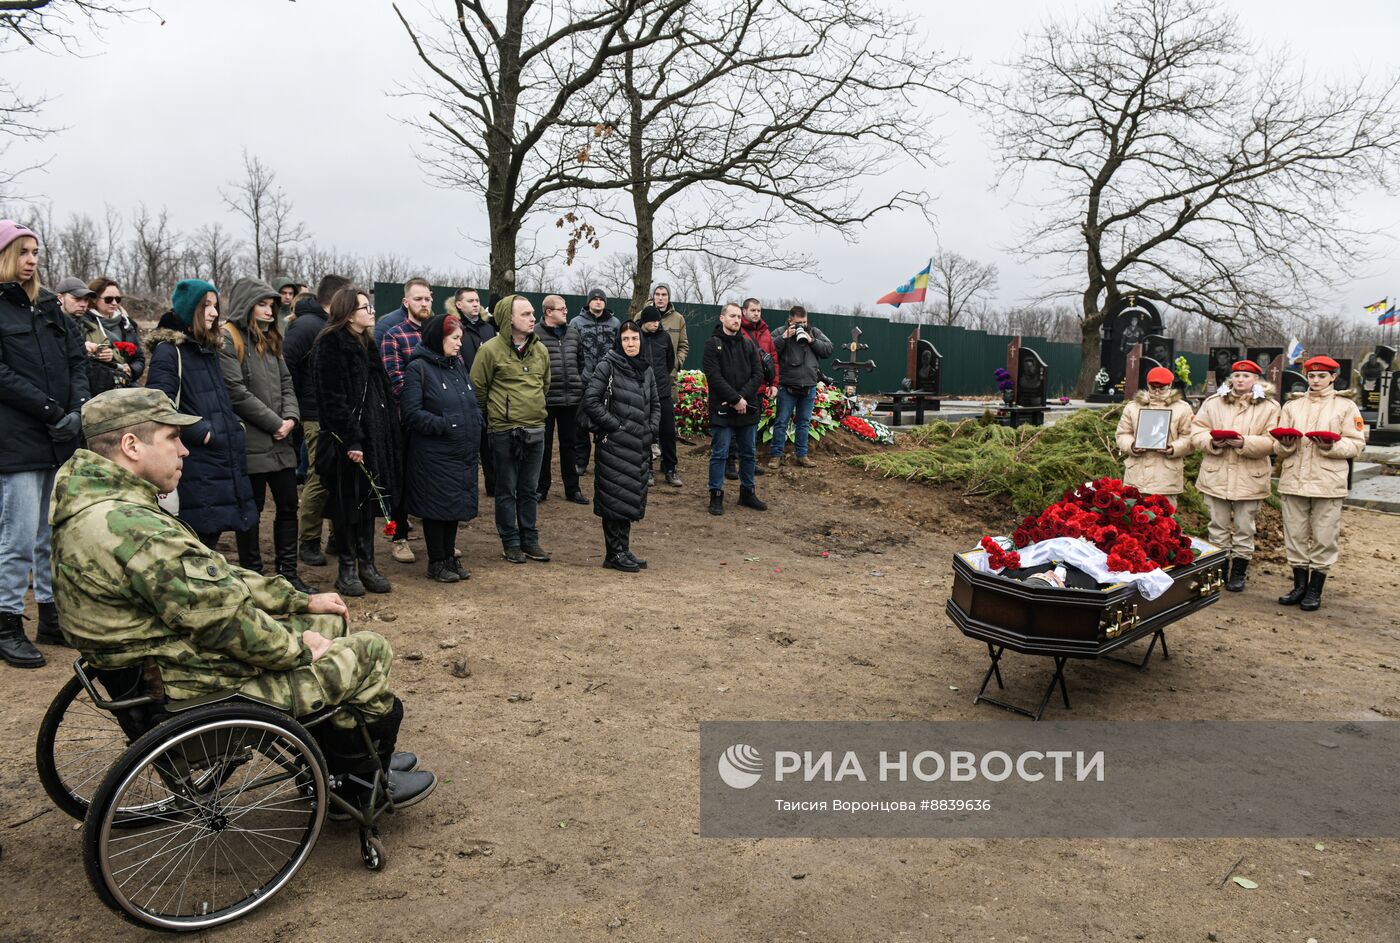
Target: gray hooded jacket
[259,384]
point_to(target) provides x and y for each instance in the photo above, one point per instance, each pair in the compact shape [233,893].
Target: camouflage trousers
[354,671]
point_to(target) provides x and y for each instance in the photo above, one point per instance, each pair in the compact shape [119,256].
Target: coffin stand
[1036,619]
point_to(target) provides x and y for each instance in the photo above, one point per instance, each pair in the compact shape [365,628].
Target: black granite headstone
[1264,356]
[1222,359]
[1032,379]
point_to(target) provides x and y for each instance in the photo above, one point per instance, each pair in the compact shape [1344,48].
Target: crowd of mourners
[356,422]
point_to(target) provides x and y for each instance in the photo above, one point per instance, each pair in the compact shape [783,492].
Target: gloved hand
[67,428]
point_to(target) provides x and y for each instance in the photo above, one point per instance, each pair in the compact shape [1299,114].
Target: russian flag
[911,291]
[1389,317]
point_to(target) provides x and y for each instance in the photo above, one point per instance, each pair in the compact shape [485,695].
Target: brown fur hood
[1268,389]
[1143,398]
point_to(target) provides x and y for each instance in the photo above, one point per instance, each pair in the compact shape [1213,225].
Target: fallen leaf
[1320,846]
[1245,883]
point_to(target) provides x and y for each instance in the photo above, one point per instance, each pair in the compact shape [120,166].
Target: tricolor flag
[911,291]
[1378,307]
[1388,317]
[1295,352]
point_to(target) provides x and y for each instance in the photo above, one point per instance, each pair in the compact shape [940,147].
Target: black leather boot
[1235,583]
[284,555]
[50,632]
[249,553]
[374,581]
[1312,599]
[442,571]
[15,647]
[716,501]
[1300,586]
[311,553]
[749,498]
[347,582]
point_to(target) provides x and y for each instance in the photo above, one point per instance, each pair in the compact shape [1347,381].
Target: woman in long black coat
[621,404]
[358,454]
[442,423]
[215,493]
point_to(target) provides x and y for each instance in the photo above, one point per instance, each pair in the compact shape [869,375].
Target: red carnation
[390,529]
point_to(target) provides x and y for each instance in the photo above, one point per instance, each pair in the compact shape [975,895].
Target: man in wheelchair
[136,587]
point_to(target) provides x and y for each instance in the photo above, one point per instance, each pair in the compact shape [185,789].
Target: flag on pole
[1389,317]
[1295,352]
[911,291]
[1377,307]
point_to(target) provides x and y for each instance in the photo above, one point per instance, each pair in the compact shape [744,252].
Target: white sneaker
[401,551]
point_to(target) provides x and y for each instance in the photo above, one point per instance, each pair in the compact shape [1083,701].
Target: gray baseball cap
[75,287]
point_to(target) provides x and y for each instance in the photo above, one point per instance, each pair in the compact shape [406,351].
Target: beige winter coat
[1307,470]
[1156,472]
[1227,472]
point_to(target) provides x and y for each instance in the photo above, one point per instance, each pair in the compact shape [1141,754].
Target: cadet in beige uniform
[1234,476]
[1313,478]
[1157,472]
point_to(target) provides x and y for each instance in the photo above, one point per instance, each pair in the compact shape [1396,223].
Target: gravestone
[1373,368]
[1264,356]
[1127,322]
[1222,359]
[1030,382]
[920,388]
[925,366]
[1344,373]
[1134,377]
[1289,383]
[1161,349]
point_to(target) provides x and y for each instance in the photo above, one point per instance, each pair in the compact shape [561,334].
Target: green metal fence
[969,357]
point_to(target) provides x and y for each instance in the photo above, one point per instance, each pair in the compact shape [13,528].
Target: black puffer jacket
[473,336]
[43,377]
[800,362]
[215,494]
[661,357]
[627,416]
[357,414]
[733,372]
[442,429]
[296,350]
[565,378]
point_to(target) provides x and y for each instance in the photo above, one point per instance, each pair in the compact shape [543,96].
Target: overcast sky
[161,113]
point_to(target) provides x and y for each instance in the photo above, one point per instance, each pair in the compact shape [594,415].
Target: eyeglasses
[112,299]
[365,308]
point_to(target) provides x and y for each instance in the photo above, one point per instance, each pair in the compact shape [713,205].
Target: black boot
[50,632]
[1312,599]
[249,554]
[442,571]
[374,581]
[347,581]
[748,499]
[716,501]
[1300,586]
[284,555]
[15,647]
[1238,566]
[311,553]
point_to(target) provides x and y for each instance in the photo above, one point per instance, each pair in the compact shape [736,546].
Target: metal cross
[853,367]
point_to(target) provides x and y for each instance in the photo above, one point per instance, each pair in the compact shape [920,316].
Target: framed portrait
[1153,429]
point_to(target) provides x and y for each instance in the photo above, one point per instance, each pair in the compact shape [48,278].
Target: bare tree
[155,249]
[959,284]
[251,198]
[617,274]
[80,247]
[284,234]
[215,254]
[751,117]
[499,84]
[707,279]
[1182,165]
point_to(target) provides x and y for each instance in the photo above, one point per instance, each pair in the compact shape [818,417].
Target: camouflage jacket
[132,583]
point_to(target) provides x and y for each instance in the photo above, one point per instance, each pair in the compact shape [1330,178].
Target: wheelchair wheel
[240,790]
[78,743]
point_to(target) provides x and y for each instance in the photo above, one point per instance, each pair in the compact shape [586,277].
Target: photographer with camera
[801,349]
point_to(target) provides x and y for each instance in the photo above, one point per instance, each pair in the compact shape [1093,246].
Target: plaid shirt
[395,348]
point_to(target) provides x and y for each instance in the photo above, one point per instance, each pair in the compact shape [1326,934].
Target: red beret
[1161,375]
[1321,362]
[1247,366]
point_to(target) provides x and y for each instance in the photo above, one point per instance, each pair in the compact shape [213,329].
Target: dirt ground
[569,801]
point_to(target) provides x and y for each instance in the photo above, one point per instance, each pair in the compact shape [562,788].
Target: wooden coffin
[1080,623]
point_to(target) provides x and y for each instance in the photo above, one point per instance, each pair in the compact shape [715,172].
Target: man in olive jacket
[511,376]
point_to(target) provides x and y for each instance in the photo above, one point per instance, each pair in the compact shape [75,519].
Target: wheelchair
[195,813]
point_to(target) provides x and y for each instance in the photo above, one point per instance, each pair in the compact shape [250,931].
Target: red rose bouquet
[125,348]
[998,558]
[1138,532]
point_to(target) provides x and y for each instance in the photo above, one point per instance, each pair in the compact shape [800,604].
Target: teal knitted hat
[188,293]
